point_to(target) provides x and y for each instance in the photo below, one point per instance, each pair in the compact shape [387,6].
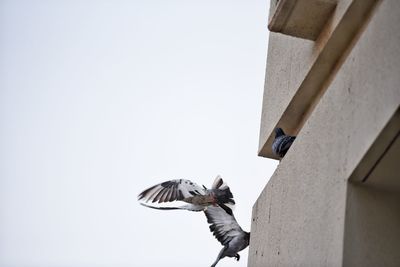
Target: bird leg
[237,257]
[220,256]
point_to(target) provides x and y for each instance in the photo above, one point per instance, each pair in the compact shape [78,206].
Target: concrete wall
[309,214]
[372,231]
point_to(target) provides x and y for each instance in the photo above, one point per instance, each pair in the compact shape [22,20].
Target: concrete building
[332,79]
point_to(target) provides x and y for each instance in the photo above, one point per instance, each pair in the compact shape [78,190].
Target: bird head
[279,132]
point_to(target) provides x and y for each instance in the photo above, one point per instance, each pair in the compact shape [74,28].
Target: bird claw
[237,257]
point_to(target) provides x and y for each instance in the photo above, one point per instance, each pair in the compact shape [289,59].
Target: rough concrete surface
[372,232]
[298,71]
[299,218]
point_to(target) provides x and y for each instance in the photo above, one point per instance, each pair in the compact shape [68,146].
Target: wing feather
[170,191]
[158,196]
[189,207]
[286,143]
[222,224]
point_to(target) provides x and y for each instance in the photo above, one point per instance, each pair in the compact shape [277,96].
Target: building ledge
[300,18]
[323,69]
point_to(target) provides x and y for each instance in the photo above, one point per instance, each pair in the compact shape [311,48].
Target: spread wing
[170,191]
[223,225]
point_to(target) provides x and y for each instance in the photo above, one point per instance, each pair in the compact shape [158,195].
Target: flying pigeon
[227,231]
[282,142]
[196,198]
[214,202]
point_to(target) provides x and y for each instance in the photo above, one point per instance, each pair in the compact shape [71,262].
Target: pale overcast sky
[102,99]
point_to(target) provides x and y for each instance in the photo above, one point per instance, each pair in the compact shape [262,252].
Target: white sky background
[102,99]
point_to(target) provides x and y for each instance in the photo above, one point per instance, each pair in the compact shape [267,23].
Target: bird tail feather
[223,192]
[219,183]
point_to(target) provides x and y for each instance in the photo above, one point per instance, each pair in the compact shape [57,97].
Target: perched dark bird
[195,198]
[282,142]
[228,232]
